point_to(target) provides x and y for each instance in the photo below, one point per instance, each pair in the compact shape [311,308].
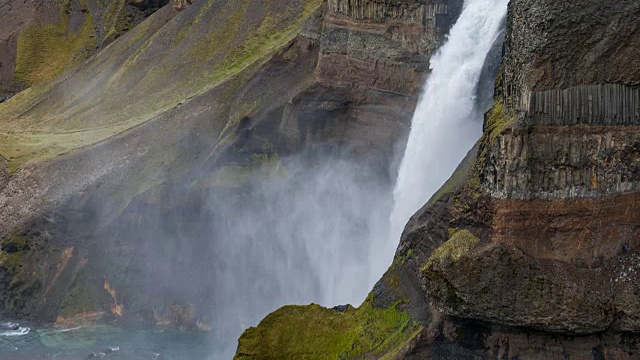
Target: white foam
[18,332]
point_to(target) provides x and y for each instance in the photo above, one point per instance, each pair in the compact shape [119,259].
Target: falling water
[444,128]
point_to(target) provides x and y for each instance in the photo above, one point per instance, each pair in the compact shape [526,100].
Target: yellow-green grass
[314,332]
[46,50]
[459,244]
[127,85]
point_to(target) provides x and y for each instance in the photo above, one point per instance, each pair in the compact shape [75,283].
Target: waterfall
[444,126]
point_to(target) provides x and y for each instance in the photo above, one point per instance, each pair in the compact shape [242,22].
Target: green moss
[279,26]
[314,332]
[394,280]
[458,245]
[46,50]
[406,256]
[114,19]
[497,119]
[13,262]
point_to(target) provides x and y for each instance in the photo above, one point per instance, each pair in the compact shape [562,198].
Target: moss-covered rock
[12,250]
[498,119]
[460,244]
[314,332]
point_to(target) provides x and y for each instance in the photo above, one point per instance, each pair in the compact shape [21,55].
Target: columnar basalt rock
[553,45]
[605,104]
[549,162]
[381,44]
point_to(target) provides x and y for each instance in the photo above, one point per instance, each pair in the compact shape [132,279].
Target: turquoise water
[25,341]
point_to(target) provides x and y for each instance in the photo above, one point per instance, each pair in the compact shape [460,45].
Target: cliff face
[531,249]
[96,164]
[373,58]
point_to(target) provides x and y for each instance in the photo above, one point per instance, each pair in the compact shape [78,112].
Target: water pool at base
[28,341]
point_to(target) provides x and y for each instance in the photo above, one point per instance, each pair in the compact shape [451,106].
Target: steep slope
[119,151]
[530,250]
[39,40]
[183,106]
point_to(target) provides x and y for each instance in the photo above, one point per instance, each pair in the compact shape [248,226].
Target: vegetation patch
[497,119]
[314,332]
[47,50]
[114,19]
[230,41]
[12,251]
[459,244]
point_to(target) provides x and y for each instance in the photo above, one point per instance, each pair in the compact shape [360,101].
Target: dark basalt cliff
[531,250]
[97,163]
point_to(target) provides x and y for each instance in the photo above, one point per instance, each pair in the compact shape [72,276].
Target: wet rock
[341,308]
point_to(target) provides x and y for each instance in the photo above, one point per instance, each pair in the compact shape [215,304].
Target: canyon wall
[530,250]
[152,139]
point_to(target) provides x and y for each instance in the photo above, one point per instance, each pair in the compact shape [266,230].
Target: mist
[311,234]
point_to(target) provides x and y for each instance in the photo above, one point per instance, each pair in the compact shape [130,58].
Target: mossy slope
[46,50]
[153,68]
[314,332]
[51,43]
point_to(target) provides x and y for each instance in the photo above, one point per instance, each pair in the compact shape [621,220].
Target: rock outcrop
[531,249]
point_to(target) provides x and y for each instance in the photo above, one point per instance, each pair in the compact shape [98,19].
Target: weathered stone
[607,104]
[564,162]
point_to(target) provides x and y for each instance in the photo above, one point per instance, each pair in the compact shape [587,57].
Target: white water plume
[444,127]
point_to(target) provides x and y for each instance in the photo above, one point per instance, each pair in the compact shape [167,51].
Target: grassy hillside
[164,61]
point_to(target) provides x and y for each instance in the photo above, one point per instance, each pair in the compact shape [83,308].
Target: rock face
[531,249]
[542,52]
[563,163]
[374,57]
